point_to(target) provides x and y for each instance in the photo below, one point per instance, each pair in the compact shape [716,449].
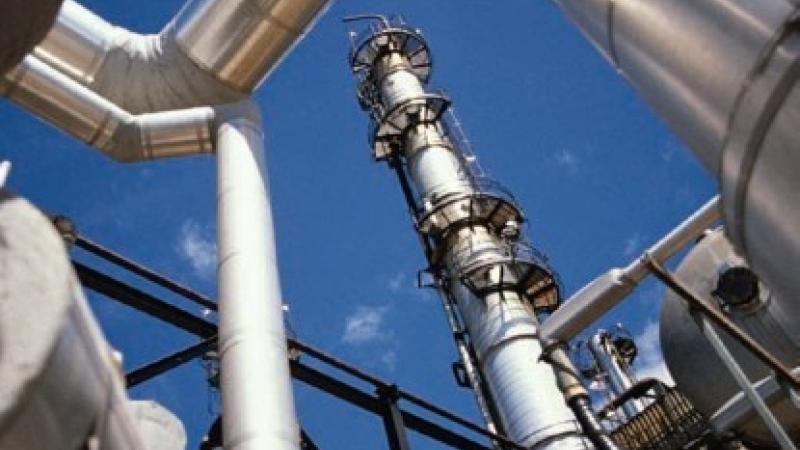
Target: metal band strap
[750,121]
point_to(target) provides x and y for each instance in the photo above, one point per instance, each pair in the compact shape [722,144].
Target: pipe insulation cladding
[479,256]
[256,383]
[212,52]
[713,270]
[62,385]
[723,75]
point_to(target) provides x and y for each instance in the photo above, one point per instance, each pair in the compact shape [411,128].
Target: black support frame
[384,402]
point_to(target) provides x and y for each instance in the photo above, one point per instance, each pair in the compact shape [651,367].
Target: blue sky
[597,174]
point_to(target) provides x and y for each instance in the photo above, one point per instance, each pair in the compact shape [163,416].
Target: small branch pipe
[256,383]
[607,290]
[85,115]
[723,75]
[214,51]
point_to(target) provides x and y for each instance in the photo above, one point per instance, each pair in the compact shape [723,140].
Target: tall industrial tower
[493,283]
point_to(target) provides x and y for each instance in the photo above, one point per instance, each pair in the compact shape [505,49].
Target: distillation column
[471,231]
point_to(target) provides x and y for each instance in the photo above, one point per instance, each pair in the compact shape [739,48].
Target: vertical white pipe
[257,400]
[618,378]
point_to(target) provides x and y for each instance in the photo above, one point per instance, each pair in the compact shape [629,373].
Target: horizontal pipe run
[76,110]
[212,52]
[606,291]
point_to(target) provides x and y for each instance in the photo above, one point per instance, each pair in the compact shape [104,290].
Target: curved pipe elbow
[214,52]
[162,135]
[87,116]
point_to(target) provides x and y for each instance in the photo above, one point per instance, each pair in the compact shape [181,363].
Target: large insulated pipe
[57,99]
[62,384]
[214,51]
[475,234]
[256,383]
[723,75]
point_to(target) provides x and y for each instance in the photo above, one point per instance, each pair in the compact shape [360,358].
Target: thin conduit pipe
[607,290]
[212,52]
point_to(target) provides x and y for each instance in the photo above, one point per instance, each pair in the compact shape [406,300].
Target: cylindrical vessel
[723,75]
[475,232]
[716,273]
[257,400]
[62,385]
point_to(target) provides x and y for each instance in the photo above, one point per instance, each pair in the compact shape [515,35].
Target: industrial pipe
[212,52]
[723,75]
[62,385]
[614,370]
[255,379]
[607,290]
[85,115]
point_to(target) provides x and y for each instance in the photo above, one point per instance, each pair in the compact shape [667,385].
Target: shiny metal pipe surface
[85,115]
[768,318]
[241,41]
[213,52]
[257,400]
[78,42]
[62,384]
[723,75]
[617,377]
[532,409]
[606,291]
[501,326]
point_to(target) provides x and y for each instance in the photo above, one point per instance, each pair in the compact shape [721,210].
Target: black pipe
[582,408]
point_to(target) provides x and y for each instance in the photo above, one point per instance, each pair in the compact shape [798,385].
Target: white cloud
[568,159]
[401,284]
[389,359]
[397,282]
[650,362]
[366,324]
[196,245]
[632,245]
